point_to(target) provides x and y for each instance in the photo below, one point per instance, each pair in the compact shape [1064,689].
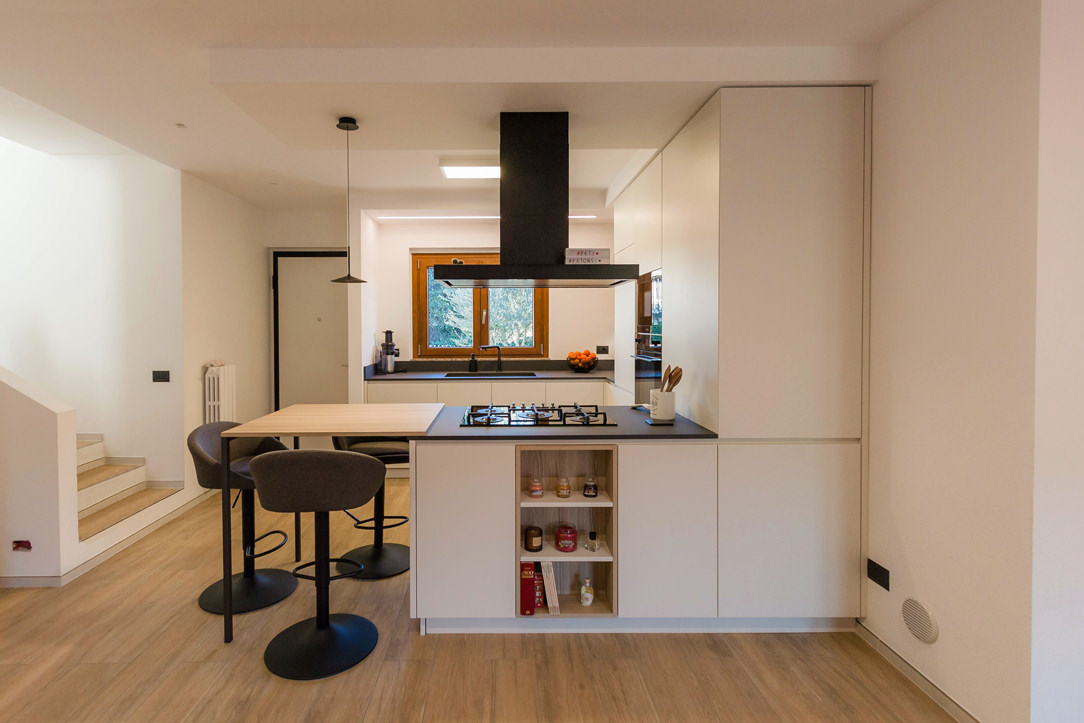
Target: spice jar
[532,538]
[564,489]
[535,489]
[564,538]
[590,488]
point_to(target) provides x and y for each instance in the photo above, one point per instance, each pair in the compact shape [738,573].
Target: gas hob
[535,415]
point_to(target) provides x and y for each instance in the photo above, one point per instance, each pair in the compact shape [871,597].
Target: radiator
[219,392]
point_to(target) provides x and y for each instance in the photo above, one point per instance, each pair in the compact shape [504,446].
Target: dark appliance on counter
[388,352]
[535,415]
[648,344]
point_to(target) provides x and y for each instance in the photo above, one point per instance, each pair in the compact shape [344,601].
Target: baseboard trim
[927,686]
[60,580]
[546,624]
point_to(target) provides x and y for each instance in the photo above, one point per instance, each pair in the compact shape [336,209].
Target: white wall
[953,345]
[579,318]
[91,292]
[302,229]
[1057,642]
[37,475]
[227,299]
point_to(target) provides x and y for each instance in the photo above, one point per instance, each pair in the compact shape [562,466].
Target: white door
[312,333]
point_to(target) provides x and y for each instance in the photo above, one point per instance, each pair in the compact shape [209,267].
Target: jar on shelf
[532,538]
[564,489]
[592,542]
[564,538]
[590,487]
[535,490]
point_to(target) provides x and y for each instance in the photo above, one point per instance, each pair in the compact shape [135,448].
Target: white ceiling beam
[739,65]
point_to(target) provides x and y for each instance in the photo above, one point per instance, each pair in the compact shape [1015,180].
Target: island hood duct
[534,215]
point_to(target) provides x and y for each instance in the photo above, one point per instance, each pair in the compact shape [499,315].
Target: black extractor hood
[534,215]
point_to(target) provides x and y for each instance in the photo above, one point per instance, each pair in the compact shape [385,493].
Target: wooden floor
[126,642]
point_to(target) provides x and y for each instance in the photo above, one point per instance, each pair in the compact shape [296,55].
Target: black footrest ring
[251,551]
[336,560]
[369,524]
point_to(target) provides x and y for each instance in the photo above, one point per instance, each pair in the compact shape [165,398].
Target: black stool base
[387,560]
[304,652]
[262,590]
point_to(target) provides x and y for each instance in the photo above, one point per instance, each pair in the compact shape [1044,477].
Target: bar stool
[318,481]
[252,589]
[380,559]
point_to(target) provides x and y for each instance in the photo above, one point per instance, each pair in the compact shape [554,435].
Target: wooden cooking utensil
[665,376]
[675,377]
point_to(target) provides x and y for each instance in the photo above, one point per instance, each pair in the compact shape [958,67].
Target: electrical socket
[602,350]
[21,546]
[877,573]
[160,376]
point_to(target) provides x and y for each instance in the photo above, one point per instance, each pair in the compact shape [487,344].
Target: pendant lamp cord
[349,271]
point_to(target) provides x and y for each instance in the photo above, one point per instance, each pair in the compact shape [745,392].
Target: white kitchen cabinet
[575,392]
[789,530]
[464,530]
[638,219]
[667,530]
[790,267]
[518,392]
[690,252]
[400,392]
[463,393]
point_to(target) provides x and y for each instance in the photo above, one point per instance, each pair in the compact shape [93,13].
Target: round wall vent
[920,621]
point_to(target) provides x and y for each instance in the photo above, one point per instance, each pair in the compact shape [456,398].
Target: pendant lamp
[347,124]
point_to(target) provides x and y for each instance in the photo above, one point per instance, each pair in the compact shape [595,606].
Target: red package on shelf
[539,590]
[526,588]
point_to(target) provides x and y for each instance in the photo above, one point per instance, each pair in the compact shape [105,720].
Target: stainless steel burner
[534,414]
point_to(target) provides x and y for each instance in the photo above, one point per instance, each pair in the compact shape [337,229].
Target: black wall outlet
[160,376]
[602,350]
[877,573]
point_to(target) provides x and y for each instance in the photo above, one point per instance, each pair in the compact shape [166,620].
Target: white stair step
[108,483]
[89,449]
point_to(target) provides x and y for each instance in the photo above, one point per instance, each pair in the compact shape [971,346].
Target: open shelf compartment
[549,463]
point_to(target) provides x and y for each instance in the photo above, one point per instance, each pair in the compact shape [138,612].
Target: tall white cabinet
[791,200]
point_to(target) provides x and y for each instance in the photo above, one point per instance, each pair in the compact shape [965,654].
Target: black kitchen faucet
[498,348]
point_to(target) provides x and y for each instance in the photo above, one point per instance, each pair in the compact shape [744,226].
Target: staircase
[110,488]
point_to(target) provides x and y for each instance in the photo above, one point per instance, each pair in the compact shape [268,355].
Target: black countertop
[598,375]
[631,424]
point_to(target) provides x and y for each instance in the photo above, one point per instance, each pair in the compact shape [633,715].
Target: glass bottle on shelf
[587,593]
[591,545]
[564,489]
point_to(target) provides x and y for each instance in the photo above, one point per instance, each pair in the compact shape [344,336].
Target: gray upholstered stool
[252,589]
[318,481]
[380,559]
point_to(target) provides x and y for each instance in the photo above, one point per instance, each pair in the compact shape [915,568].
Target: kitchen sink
[488,375]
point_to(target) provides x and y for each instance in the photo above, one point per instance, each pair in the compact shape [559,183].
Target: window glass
[511,317]
[450,317]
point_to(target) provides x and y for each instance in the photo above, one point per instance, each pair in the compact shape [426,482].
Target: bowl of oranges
[582,361]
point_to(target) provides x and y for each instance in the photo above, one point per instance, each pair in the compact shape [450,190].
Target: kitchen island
[696,533]
[470,503]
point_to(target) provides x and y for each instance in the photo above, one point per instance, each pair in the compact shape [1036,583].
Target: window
[456,322]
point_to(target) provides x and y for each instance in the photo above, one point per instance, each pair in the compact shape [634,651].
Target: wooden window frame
[420,264]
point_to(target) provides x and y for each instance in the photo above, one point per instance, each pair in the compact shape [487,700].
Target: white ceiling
[259,84]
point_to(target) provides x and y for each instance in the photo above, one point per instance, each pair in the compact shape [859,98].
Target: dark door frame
[275,256]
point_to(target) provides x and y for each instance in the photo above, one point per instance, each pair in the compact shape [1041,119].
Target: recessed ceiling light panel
[470,167]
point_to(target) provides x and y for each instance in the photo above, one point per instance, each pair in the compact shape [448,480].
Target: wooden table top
[341,420]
